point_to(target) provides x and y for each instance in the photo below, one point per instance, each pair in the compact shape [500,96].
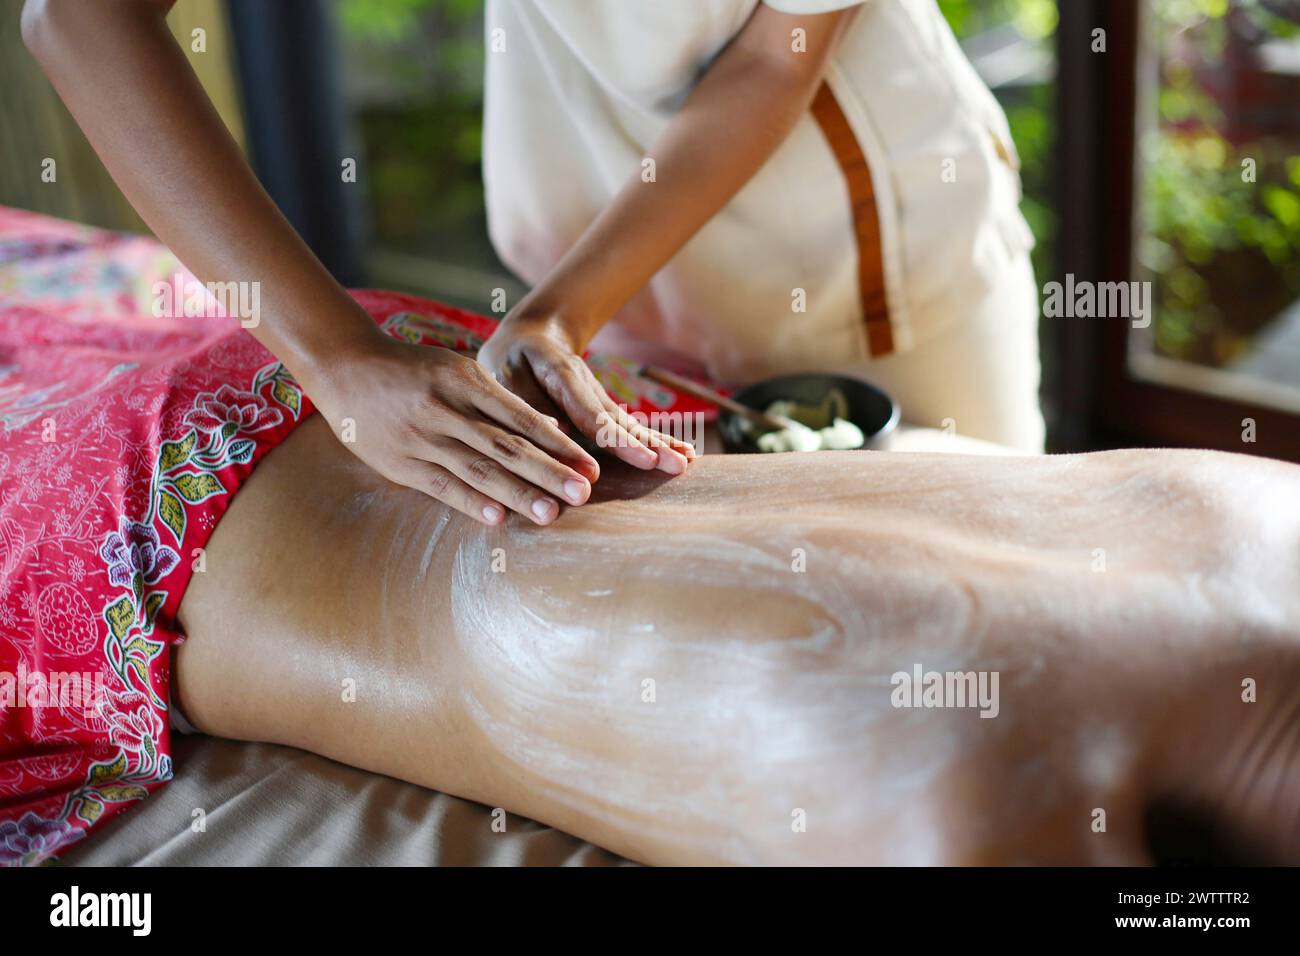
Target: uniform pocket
[1007,192]
[1016,233]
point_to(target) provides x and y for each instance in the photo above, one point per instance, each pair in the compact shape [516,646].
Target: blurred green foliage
[416,87]
[392,20]
[1034,19]
[1221,216]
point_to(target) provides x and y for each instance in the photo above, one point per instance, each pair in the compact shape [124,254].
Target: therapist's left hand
[537,359]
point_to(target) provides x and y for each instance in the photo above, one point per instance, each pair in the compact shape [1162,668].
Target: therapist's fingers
[486,475]
[582,399]
[523,383]
[525,460]
[668,459]
[672,459]
[439,483]
[684,448]
[519,418]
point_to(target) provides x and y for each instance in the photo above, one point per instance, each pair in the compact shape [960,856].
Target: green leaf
[172,512]
[1284,205]
[120,615]
[101,772]
[141,670]
[118,794]
[176,452]
[142,646]
[90,809]
[288,396]
[145,646]
[151,605]
[197,487]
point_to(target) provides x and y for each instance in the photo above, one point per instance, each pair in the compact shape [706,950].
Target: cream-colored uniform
[577,93]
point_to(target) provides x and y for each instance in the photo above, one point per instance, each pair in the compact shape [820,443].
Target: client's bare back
[704,669]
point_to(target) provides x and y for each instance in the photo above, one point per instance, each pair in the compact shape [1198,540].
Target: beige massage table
[265,805]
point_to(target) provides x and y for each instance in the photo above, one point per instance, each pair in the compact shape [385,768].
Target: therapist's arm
[426,418]
[743,108]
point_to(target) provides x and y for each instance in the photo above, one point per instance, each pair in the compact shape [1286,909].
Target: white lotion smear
[702,670]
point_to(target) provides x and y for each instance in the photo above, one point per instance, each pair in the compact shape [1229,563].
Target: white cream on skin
[775,679]
[522,683]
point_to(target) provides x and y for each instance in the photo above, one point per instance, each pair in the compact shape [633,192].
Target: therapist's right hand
[536,358]
[435,421]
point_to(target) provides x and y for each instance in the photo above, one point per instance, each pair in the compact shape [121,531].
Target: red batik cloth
[123,438]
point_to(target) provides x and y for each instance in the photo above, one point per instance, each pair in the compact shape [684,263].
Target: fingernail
[650,457]
[492,514]
[671,462]
[575,490]
[545,509]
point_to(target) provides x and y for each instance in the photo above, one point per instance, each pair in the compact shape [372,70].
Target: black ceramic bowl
[868,407]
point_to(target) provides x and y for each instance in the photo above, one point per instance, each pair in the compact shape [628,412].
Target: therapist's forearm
[739,114]
[129,87]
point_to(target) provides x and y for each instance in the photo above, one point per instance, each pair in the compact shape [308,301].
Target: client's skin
[510,665]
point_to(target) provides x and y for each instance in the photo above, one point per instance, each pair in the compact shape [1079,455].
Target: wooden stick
[677,383]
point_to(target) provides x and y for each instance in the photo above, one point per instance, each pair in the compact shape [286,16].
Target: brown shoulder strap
[866,223]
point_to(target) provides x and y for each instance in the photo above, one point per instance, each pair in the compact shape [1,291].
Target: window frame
[1103,403]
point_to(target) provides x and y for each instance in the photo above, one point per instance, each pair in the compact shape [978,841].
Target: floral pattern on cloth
[123,438]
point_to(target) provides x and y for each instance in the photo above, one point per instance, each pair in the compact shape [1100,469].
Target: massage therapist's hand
[537,359]
[435,421]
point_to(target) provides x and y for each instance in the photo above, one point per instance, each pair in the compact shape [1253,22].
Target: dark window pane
[413,85]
